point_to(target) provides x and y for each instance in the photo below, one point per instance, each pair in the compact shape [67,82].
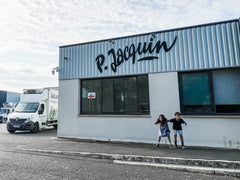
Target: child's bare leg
[169,139]
[175,139]
[159,139]
[181,137]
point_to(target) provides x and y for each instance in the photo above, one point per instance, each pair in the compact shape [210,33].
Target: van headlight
[28,119]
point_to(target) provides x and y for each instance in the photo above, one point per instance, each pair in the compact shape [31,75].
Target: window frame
[115,113]
[211,92]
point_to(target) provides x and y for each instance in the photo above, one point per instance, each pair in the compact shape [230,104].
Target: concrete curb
[219,167]
[205,170]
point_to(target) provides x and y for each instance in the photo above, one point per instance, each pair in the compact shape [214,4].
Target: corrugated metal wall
[214,45]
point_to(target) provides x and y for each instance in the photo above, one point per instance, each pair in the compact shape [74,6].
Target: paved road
[21,138]
[20,165]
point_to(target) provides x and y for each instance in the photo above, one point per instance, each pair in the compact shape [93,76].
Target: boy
[177,127]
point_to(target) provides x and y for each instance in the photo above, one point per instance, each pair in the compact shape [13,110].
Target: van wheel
[11,131]
[35,128]
[55,126]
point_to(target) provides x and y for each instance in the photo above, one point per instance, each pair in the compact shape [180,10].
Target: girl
[164,129]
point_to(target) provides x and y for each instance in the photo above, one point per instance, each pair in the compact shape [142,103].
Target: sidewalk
[206,160]
[141,149]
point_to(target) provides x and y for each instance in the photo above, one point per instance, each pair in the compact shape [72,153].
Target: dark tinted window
[108,96]
[126,95]
[118,95]
[143,95]
[91,104]
[211,92]
[130,94]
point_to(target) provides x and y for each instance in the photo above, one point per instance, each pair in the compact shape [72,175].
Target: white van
[37,109]
[6,110]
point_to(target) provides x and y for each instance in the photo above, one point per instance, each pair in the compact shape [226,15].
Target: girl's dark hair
[164,121]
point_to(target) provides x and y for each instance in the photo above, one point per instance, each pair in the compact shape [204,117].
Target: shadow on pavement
[43,132]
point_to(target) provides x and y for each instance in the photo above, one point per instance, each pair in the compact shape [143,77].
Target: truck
[7,101]
[6,110]
[37,109]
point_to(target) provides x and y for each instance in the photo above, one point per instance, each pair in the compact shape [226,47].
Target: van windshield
[3,111]
[26,107]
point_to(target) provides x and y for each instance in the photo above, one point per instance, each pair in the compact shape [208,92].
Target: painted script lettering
[129,52]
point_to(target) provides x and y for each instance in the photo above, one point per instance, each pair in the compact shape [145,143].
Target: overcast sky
[31,31]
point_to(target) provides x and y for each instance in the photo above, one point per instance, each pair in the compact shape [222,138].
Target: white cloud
[19,76]
[32,30]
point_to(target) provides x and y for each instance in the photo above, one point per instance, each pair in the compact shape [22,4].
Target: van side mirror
[40,111]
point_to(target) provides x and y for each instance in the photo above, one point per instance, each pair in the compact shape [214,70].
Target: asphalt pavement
[25,166]
[45,144]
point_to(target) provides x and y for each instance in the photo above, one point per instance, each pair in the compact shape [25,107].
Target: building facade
[115,89]
[8,97]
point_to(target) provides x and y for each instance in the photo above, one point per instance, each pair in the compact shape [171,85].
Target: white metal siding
[200,47]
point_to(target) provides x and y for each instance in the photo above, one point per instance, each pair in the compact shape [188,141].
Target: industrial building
[115,89]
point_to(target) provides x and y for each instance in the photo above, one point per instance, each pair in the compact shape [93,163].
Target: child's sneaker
[156,146]
[175,147]
[183,147]
[171,146]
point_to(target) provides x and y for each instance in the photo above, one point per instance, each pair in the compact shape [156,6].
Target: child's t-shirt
[177,124]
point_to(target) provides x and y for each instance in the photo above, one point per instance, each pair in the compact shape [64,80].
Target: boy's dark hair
[177,113]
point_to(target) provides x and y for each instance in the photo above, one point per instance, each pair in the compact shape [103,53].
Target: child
[177,127]
[164,129]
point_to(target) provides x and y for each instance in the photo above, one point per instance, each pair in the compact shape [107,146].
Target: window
[125,95]
[108,103]
[196,98]
[210,92]
[41,109]
[226,85]
[92,104]
[130,94]
[119,95]
[27,107]
[143,95]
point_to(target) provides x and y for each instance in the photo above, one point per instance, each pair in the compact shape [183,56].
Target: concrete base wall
[164,99]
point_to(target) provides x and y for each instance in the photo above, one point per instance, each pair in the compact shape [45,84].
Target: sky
[31,31]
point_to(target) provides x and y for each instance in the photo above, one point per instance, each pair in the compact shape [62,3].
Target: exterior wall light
[56,69]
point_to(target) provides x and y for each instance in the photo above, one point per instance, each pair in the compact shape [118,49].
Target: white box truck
[37,109]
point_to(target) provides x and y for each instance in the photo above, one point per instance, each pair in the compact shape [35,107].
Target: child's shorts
[164,133]
[178,132]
